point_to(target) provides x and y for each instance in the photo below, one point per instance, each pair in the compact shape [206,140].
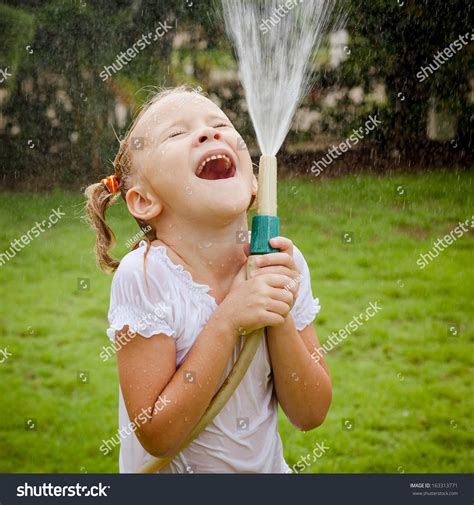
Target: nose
[207,134]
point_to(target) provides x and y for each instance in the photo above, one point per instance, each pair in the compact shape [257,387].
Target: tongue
[215,169]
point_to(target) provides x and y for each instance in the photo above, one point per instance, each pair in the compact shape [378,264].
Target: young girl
[181,304]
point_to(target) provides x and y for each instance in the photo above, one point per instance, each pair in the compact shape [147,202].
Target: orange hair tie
[111,183]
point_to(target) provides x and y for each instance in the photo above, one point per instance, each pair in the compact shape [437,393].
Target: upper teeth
[215,157]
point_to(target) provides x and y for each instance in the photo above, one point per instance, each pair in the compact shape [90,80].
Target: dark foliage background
[59,120]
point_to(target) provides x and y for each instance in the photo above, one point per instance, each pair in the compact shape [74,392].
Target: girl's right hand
[257,302]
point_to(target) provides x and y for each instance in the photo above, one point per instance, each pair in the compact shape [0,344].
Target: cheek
[169,162]
[245,162]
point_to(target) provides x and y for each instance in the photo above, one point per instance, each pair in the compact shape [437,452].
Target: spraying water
[275,45]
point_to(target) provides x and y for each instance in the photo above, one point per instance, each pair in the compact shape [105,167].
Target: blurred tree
[391,42]
[58,115]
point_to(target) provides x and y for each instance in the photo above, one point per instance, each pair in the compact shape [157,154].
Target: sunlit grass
[402,381]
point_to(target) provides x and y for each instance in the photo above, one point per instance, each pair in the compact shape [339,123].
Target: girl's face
[190,158]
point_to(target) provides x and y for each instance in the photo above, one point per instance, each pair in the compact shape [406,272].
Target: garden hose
[265,225]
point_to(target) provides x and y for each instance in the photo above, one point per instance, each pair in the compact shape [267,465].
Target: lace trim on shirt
[181,271]
[139,321]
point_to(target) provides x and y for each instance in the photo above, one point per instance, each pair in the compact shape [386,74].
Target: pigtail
[99,199]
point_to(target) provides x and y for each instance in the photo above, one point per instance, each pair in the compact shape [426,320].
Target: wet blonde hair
[99,199]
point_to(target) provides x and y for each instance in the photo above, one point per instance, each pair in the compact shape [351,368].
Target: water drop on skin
[188,190]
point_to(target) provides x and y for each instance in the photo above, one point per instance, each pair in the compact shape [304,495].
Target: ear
[142,205]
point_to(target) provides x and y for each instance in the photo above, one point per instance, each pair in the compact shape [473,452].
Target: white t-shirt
[244,437]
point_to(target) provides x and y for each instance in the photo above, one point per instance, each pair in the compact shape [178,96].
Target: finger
[282,243]
[247,249]
[274,319]
[276,280]
[281,258]
[278,307]
[274,270]
[282,295]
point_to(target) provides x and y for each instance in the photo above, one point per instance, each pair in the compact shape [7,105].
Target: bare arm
[301,377]
[170,402]
[302,383]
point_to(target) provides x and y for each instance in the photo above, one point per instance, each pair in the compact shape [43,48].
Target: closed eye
[223,125]
[175,134]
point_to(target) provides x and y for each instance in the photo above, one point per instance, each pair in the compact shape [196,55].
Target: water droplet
[188,190]
[205,245]
[295,376]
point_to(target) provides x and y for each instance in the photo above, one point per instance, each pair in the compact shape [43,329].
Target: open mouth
[217,166]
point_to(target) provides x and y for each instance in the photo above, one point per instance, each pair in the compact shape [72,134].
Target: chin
[228,205]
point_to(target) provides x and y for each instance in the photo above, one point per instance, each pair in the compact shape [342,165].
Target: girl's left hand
[280,263]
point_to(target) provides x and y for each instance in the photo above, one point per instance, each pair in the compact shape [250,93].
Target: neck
[209,252]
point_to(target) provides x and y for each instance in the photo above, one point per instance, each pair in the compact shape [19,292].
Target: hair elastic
[111,184]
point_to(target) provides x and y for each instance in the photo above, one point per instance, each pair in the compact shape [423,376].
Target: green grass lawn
[402,382]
